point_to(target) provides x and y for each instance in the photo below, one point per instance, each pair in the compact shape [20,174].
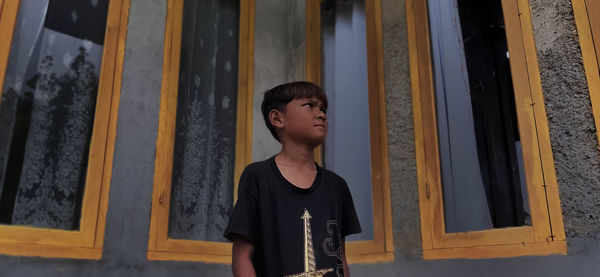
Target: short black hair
[278,97]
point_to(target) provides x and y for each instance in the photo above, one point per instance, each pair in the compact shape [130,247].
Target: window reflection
[480,150]
[47,111]
[205,134]
[344,69]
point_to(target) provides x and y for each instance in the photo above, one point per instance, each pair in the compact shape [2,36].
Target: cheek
[326,128]
[295,123]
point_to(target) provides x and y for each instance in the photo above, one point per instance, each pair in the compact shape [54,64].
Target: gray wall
[571,127]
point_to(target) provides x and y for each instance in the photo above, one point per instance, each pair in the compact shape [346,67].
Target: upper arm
[242,254]
[244,218]
[343,249]
[350,223]
[242,248]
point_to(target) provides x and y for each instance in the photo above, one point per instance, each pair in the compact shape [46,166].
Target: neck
[297,155]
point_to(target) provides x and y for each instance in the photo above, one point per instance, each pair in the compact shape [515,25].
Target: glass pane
[344,69]
[47,111]
[480,150]
[204,154]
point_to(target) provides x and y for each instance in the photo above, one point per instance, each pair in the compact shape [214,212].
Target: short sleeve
[350,223]
[244,217]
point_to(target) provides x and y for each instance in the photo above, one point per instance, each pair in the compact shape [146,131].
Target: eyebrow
[316,102]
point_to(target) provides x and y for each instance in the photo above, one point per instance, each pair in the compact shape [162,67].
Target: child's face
[304,120]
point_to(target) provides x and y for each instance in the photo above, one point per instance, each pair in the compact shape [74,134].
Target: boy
[291,215]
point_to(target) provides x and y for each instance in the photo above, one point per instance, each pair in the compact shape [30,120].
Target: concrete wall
[571,127]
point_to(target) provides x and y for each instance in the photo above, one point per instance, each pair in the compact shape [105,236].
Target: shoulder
[334,179]
[256,171]
[257,167]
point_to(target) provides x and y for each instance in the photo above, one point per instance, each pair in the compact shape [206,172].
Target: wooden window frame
[381,248]
[160,246]
[546,235]
[87,242]
[589,40]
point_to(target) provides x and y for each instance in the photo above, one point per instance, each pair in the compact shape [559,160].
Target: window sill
[50,251]
[498,251]
[226,259]
[385,257]
[188,257]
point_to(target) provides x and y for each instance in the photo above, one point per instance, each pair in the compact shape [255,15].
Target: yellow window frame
[160,246]
[546,235]
[381,248]
[87,242]
[588,28]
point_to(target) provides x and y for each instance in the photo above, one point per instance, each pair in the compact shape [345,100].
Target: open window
[344,55]
[60,75]
[587,18]
[204,134]
[487,184]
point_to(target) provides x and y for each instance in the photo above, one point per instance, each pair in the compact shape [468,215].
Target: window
[60,74]
[486,175]
[344,55]
[204,138]
[587,18]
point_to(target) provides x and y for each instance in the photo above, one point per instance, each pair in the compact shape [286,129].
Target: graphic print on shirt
[330,249]
[310,268]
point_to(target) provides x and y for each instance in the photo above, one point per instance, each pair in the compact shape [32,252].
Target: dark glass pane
[47,111]
[204,154]
[344,69]
[480,149]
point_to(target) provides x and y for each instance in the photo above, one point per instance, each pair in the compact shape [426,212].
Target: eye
[324,111]
[308,104]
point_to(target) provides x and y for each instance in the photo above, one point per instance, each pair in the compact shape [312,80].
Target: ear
[276,118]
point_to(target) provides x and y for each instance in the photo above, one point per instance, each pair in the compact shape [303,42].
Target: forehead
[307,99]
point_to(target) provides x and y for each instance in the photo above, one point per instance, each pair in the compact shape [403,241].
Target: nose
[322,115]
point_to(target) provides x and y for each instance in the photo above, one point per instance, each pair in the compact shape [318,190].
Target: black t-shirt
[293,230]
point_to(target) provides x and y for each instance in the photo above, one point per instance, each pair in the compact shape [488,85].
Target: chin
[315,142]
